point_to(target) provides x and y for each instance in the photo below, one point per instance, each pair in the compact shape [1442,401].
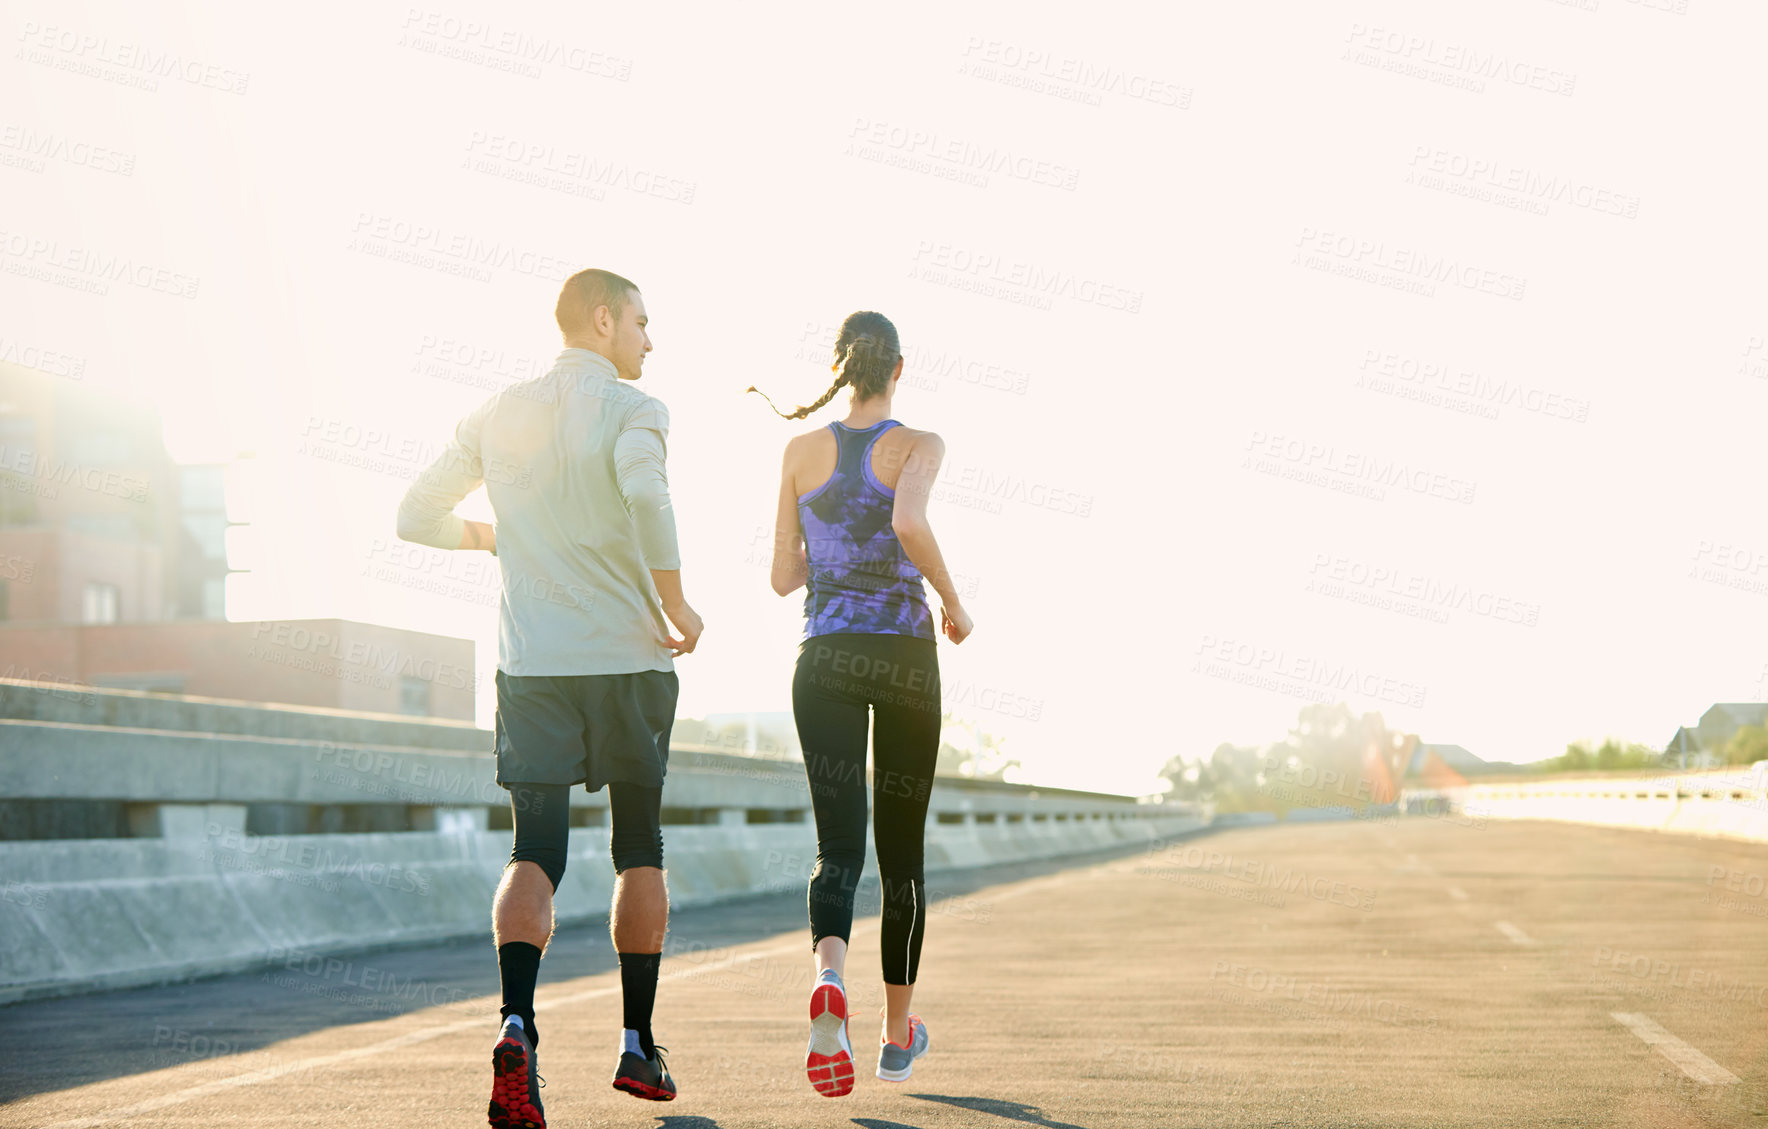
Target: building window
[202,488]
[209,532]
[18,437]
[121,527]
[18,500]
[414,696]
[99,603]
[101,448]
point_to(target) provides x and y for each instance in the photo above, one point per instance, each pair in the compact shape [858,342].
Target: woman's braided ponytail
[866,352]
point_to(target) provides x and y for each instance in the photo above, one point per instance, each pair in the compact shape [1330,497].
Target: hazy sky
[1405,354]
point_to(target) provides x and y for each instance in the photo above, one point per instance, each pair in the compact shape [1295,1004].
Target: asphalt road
[1399,973]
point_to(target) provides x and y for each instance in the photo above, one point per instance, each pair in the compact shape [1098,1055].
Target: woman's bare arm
[789,570]
[908,518]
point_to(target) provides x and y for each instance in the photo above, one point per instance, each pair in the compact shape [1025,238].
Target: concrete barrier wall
[1725,804]
[83,915]
[194,894]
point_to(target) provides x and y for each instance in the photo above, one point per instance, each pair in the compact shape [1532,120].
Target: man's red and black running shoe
[515,1081]
[645,1077]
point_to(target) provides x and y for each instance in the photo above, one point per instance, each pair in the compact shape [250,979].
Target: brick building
[113,567]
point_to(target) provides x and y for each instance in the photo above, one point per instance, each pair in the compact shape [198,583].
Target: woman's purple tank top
[860,579]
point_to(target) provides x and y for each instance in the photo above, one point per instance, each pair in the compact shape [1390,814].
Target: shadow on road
[1012,1111]
[228,1022]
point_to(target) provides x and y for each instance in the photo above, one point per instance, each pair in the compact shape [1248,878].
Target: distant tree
[688,731]
[1747,745]
[1184,778]
[1610,756]
[1333,757]
[1576,758]
[1233,779]
[965,749]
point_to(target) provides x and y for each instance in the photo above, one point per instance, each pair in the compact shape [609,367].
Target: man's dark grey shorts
[589,729]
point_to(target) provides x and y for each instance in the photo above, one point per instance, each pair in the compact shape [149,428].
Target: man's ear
[603,319]
[896,373]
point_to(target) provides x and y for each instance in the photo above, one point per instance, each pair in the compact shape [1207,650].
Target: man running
[573,463]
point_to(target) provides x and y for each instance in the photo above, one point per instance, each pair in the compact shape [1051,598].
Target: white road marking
[1457,893]
[1690,1061]
[1514,933]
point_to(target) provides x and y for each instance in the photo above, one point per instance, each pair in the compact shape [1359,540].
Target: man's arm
[639,454]
[426,513]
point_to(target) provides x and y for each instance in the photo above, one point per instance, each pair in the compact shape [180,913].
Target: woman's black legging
[838,679]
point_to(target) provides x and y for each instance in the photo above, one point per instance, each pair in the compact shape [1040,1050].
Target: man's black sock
[638,990]
[518,963]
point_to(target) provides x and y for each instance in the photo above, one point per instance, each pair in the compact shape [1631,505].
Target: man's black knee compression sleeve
[635,832]
[542,815]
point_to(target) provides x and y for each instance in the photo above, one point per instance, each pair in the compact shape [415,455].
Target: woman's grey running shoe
[895,1061]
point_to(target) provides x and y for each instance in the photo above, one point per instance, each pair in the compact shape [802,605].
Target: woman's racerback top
[859,577]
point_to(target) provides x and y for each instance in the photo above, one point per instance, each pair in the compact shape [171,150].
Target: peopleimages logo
[460,249]
[1439,383]
[878,139]
[83,49]
[305,640]
[1502,176]
[94,268]
[43,360]
[1427,591]
[924,365]
[1028,279]
[555,167]
[1078,79]
[1270,452]
[28,462]
[1458,59]
[232,848]
[1421,267]
[1253,872]
[1277,668]
[39,147]
[507,48]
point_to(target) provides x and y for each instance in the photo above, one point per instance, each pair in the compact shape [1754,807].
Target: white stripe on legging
[908,949]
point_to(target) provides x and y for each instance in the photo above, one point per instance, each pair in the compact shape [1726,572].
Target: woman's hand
[955,622]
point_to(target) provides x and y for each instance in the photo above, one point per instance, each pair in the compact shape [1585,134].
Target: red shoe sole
[643,1090]
[832,1074]
[510,1106]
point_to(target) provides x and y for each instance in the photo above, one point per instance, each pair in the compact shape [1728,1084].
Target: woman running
[853,529]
